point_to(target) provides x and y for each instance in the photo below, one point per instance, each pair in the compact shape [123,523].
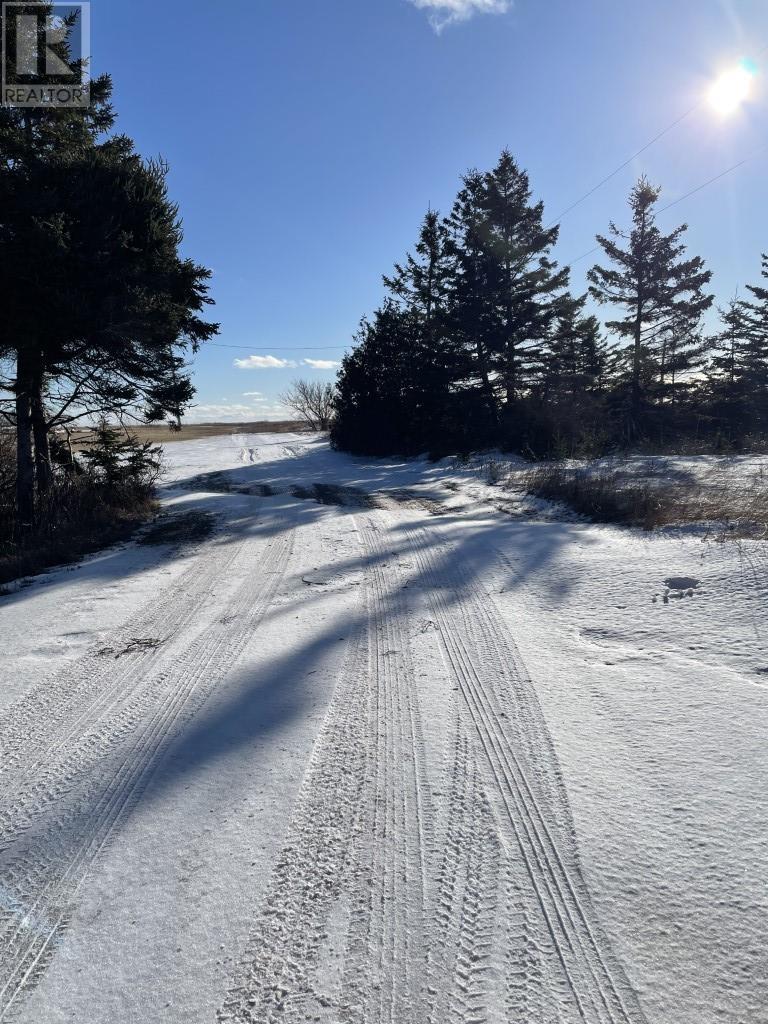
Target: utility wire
[653,141]
[578,202]
[711,181]
[693,191]
[626,163]
[276,348]
[569,263]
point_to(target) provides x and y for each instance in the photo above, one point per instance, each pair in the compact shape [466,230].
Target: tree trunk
[510,381]
[42,442]
[636,364]
[25,466]
[638,336]
[487,387]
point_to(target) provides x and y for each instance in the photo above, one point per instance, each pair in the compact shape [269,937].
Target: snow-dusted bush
[93,501]
[651,494]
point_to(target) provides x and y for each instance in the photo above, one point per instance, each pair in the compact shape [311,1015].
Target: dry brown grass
[733,504]
[161,432]
[85,520]
[82,513]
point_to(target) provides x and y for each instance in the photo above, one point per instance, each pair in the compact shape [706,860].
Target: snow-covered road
[388,745]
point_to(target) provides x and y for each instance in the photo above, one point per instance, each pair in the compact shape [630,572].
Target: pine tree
[737,375]
[652,281]
[753,355]
[377,394]
[30,136]
[421,287]
[469,315]
[98,305]
[525,290]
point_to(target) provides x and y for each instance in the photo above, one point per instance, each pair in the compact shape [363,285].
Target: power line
[653,141]
[569,263]
[277,348]
[711,181]
[626,163]
[693,191]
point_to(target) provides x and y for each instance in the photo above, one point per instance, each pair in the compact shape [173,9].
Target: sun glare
[732,89]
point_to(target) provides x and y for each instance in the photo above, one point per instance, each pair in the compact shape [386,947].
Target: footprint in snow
[678,587]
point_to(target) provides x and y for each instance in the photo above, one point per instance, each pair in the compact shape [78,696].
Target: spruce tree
[565,413]
[525,290]
[469,315]
[738,371]
[753,355]
[377,395]
[508,293]
[98,304]
[723,366]
[421,288]
[423,282]
[680,353]
[652,281]
[576,358]
[30,136]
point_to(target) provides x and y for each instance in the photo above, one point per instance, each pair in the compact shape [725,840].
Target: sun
[733,88]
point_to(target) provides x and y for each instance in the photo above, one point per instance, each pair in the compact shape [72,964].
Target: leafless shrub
[312,401]
[601,495]
[735,505]
[92,504]
[180,528]
[494,472]
[7,476]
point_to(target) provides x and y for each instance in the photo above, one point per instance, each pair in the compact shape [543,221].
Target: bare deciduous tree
[312,401]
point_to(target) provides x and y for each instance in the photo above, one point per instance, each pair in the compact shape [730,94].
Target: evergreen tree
[508,294]
[30,136]
[576,359]
[753,354]
[738,371]
[421,287]
[469,316]
[652,281]
[376,404]
[678,355]
[97,302]
[423,283]
[564,413]
[525,292]
[723,366]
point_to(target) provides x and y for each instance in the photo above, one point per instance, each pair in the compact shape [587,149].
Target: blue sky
[306,139]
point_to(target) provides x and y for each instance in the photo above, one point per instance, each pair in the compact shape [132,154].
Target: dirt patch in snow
[182,528]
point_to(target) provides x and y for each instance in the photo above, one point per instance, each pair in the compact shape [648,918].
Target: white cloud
[251,394]
[234,412]
[447,12]
[263,363]
[321,364]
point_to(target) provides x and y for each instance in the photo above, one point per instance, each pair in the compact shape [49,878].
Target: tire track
[99,707]
[526,803]
[386,954]
[44,871]
[65,704]
[279,978]
[355,852]
[463,935]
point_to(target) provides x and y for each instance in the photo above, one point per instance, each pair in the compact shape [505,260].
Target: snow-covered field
[418,751]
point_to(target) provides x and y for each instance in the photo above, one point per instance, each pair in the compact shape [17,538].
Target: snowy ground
[418,751]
